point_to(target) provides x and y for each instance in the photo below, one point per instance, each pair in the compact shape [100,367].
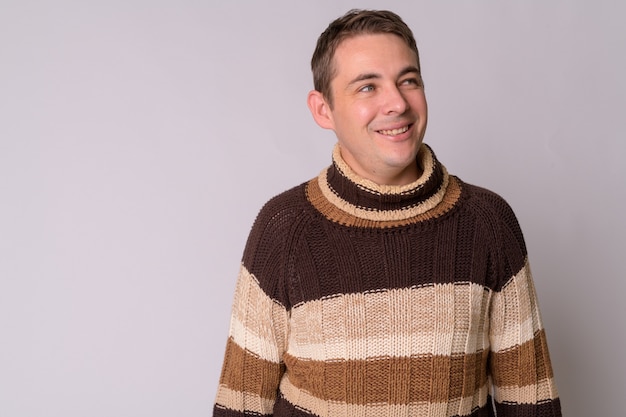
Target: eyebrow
[374,76]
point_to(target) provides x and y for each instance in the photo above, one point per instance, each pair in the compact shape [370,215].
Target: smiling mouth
[394,132]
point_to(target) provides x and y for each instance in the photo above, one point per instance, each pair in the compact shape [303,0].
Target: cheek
[418,103]
[354,118]
[356,115]
[364,113]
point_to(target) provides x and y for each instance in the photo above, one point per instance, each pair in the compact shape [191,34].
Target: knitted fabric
[355,299]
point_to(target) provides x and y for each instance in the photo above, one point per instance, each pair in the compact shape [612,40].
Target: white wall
[138,139]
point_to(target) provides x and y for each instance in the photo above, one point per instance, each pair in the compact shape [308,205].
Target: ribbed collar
[364,199]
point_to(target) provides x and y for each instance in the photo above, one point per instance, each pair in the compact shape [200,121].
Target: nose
[394,101]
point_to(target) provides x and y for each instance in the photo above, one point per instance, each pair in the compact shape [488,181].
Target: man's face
[379,108]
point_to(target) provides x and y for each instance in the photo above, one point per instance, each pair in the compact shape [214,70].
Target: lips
[394,132]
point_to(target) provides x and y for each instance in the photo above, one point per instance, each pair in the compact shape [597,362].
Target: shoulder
[272,238]
[282,209]
[274,232]
[489,206]
[493,215]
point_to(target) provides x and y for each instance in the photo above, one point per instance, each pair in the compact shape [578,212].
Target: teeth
[394,132]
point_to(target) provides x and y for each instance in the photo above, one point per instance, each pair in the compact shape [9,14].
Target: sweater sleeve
[253,363]
[519,363]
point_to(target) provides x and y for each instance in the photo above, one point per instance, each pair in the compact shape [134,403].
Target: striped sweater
[355,299]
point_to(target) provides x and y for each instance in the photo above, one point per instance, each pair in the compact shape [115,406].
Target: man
[385,286]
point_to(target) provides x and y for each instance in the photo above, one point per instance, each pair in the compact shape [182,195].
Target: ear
[322,114]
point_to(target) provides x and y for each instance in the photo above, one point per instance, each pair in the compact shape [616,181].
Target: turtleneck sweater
[356,299]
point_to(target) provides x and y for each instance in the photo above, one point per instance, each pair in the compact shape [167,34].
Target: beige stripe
[515,314]
[442,319]
[456,406]
[258,323]
[544,390]
[243,401]
[391,380]
[244,372]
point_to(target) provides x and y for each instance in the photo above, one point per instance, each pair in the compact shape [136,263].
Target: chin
[403,159]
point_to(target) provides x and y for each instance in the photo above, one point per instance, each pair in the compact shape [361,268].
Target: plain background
[138,140]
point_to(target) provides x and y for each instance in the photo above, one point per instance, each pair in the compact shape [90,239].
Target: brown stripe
[390,380]
[332,212]
[245,372]
[523,365]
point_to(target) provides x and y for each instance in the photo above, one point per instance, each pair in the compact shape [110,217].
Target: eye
[367,88]
[413,81]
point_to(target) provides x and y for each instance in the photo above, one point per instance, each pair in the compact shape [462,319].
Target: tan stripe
[392,380]
[515,314]
[442,319]
[244,372]
[364,218]
[324,408]
[523,365]
[531,394]
[243,401]
[258,323]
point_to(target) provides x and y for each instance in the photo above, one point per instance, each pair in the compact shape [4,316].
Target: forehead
[368,52]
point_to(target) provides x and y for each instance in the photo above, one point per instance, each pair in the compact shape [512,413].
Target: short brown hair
[355,22]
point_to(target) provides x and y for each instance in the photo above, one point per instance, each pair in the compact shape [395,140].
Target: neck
[388,176]
[405,176]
